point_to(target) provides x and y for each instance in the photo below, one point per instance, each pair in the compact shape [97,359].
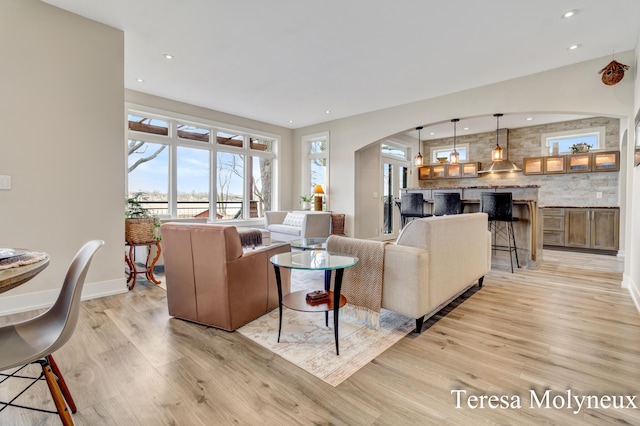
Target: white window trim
[306,156]
[434,149]
[173,141]
[601,131]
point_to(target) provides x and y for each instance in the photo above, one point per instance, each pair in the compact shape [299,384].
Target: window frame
[307,156]
[545,139]
[434,150]
[174,141]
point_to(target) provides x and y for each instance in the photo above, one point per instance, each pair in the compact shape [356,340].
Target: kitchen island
[528,228]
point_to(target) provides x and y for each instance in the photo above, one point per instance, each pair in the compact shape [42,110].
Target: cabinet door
[438,171]
[579,163]
[604,229]
[470,169]
[533,166]
[454,170]
[577,228]
[555,164]
[605,161]
[424,172]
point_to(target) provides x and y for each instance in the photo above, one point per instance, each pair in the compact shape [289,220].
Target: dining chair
[34,340]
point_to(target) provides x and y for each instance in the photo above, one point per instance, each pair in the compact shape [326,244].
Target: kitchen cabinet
[593,228]
[605,161]
[449,171]
[581,227]
[601,161]
[553,226]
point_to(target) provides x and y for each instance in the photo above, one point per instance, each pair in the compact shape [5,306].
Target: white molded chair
[34,340]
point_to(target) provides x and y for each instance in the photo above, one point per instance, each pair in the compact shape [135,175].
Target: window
[445,151]
[184,173]
[316,165]
[594,136]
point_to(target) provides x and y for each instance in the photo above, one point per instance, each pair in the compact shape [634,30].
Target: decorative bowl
[442,160]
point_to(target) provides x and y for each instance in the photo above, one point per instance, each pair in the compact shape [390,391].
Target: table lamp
[317,200]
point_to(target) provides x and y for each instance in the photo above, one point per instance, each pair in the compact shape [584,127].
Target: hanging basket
[613,73]
[139,231]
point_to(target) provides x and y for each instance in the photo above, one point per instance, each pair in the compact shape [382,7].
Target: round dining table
[17,266]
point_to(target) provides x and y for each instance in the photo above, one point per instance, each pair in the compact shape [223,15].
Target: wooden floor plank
[566,326]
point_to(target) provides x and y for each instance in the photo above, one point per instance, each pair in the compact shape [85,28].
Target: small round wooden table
[317,260]
[148,267]
[17,266]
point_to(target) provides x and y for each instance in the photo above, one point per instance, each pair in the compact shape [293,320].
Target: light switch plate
[5,182]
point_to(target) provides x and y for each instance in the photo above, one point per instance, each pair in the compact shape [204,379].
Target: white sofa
[287,226]
[433,261]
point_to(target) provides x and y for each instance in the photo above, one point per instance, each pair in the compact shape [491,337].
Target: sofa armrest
[271,218]
[405,286]
[316,225]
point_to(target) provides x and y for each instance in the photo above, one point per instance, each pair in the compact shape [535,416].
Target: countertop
[579,207]
[475,187]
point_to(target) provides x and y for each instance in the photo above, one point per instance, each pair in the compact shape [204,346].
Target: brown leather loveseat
[210,280]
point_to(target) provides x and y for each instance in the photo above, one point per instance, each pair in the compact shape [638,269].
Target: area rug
[306,342]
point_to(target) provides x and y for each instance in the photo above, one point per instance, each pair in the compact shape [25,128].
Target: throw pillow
[293,219]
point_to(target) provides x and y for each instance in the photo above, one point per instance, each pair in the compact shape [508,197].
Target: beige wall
[61,141]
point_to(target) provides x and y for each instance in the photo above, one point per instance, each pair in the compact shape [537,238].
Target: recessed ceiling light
[574,47]
[529,118]
[465,128]
[290,121]
[569,14]
[432,133]
[168,56]
[327,112]
[139,80]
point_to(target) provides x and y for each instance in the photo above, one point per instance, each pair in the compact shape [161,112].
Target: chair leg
[56,394]
[509,235]
[513,236]
[63,385]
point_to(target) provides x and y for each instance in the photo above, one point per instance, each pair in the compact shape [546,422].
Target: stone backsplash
[571,189]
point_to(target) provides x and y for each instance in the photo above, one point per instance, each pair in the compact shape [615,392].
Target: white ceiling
[287,62]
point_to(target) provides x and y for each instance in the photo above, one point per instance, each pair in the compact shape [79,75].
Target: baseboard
[627,282]
[44,299]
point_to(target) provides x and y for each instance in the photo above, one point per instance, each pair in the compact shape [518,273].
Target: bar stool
[411,205]
[445,203]
[499,207]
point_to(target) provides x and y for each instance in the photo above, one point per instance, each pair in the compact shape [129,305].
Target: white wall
[632,256]
[61,141]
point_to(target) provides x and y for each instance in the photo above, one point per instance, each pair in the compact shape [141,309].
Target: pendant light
[418,160]
[454,157]
[496,152]
[499,156]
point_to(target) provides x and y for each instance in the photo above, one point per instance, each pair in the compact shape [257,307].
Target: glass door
[394,178]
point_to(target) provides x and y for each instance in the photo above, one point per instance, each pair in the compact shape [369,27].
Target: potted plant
[306,202]
[140,225]
[580,147]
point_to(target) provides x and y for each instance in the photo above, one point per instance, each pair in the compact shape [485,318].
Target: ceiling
[295,63]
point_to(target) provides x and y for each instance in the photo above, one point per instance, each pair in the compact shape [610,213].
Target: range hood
[504,165]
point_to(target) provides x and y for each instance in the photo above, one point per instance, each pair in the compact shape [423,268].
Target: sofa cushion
[286,229]
[293,219]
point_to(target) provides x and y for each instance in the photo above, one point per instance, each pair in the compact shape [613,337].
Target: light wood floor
[566,326]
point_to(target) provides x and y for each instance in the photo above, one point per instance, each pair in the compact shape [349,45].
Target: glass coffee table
[316,260]
[309,243]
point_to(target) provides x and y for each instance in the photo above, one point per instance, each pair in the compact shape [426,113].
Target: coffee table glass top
[314,260]
[309,243]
